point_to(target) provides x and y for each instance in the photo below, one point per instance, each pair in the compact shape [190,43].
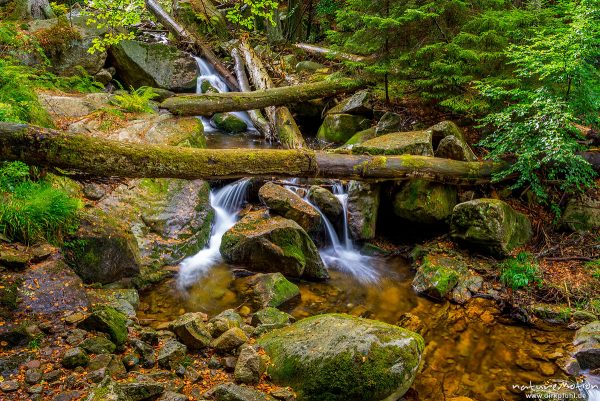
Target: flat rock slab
[398,143]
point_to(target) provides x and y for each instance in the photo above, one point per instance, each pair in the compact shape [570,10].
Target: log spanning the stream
[102,157]
[329,53]
[210,103]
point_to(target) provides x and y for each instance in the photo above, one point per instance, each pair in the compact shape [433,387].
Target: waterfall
[208,73]
[226,203]
[590,388]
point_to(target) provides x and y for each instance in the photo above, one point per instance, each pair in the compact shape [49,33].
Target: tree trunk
[33,9]
[328,53]
[285,127]
[101,157]
[209,103]
[259,121]
[183,35]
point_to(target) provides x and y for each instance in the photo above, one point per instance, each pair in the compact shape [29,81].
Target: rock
[309,66]
[272,244]
[272,316]
[201,17]
[288,204]
[327,202]
[9,386]
[142,390]
[131,361]
[68,396]
[271,289]
[490,225]
[583,316]
[587,346]
[437,276]
[107,390]
[453,148]
[359,103]
[363,204]
[103,76]
[229,123]
[172,396]
[171,354]
[233,392]
[72,106]
[283,394]
[552,313]
[102,250]
[224,321]
[445,129]
[33,376]
[389,122]
[125,300]
[422,201]
[107,320]
[360,137]
[98,345]
[582,214]
[155,64]
[206,87]
[191,330]
[110,363]
[340,357]
[249,367]
[145,351]
[397,143]
[75,357]
[339,128]
[230,340]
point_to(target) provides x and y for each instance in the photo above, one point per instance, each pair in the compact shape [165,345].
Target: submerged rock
[491,225]
[397,143]
[363,204]
[272,244]
[340,357]
[291,206]
[339,128]
[422,201]
[271,289]
[155,64]
[229,123]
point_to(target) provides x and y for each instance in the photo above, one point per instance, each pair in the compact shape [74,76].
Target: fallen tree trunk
[184,36]
[101,157]
[256,116]
[281,118]
[209,103]
[328,53]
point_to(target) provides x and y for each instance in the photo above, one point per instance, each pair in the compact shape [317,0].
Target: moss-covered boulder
[339,357]
[360,103]
[388,123]
[453,148]
[103,250]
[339,128]
[363,205]
[397,143]
[445,129]
[360,137]
[108,320]
[272,244]
[155,64]
[271,289]
[229,123]
[268,319]
[191,330]
[490,225]
[587,343]
[327,202]
[582,213]
[437,276]
[288,204]
[201,17]
[207,87]
[422,201]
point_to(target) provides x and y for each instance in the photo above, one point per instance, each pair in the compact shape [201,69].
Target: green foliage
[245,12]
[117,16]
[33,210]
[137,101]
[56,38]
[59,9]
[519,272]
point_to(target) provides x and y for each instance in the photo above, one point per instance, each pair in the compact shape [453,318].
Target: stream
[471,350]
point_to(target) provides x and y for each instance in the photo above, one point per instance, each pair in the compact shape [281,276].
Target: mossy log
[281,118]
[101,157]
[329,53]
[183,35]
[209,103]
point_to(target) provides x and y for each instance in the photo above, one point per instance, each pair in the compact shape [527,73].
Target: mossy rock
[272,244]
[490,225]
[363,206]
[309,66]
[327,202]
[389,122]
[108,320]
[201,17]
[582,214]
[437,276]
[397,143]
[422,201]
[339,128]
[229,123]
[207,87]
[339,357]
[271,289]
[445,129]
[361,136]
[453,148]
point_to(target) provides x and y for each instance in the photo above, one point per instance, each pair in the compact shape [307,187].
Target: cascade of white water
[226,203]
[590,388]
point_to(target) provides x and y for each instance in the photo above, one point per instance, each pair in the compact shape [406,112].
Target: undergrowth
[519,272]
[137,100]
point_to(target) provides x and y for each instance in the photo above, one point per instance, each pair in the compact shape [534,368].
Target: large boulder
[229,123]
[360,137]
[388,123]
[582,214]
[340,357]
[491,225]
[108,320]
[422,201]
[191,330]
[397,143]
[327,202]
[339,128]
[155,64]
[291,206]
[360,103]
[453,148]
[587,346]
[272,244]
[363,204]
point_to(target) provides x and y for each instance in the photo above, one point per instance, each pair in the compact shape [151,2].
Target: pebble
[33,376]
[9,386]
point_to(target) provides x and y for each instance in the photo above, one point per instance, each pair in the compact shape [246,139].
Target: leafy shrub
[519,272]
[33,211]
[57,37]
[137,101]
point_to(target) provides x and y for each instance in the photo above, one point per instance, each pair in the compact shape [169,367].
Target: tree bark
[101,157]
[256,116]
[183,35]
[209,103]
[329,53]
[286,128]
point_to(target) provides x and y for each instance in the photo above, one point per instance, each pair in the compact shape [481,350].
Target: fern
[137,101]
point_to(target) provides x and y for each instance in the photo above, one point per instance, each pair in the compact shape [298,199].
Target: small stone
[130,361]
[229,362]
[233,392]
[172,396]
[75,357]
[9,386]
[191,330]
[283,394]
[97,375]
[98,345]
[52,376]
[34,364]
[75,318]
[146,353]
[149,336]
[33,376]
[76,337]
[224,321]
[230,340]
[171,353]
[214,363]
[35,389]
[67,396]
[142,390]
[191,374]
[249,366]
